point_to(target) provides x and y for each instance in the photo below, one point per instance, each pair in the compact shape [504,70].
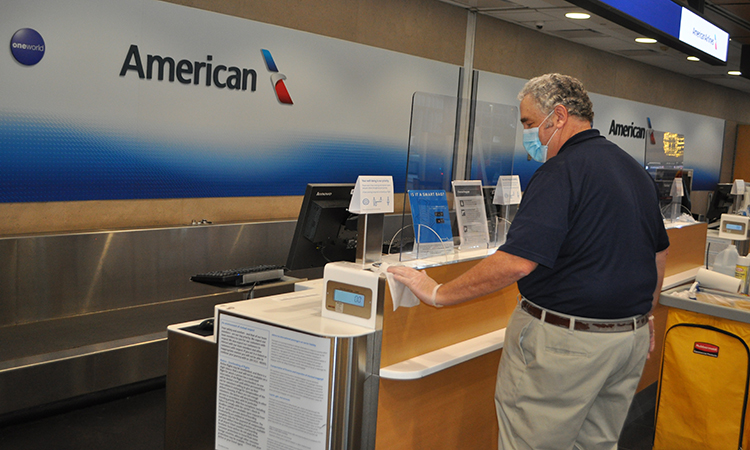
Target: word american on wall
[618,129]
[188,72]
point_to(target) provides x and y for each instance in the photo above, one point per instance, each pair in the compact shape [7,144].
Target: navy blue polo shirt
[590,218]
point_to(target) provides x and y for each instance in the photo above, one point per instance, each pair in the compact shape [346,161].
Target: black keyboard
[241,276]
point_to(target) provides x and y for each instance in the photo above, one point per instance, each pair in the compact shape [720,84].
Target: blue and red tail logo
[277,79]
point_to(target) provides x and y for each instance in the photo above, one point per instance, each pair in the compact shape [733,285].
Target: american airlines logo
[624,130]
[706,37]
[277,79]
[185,71]
[206,72]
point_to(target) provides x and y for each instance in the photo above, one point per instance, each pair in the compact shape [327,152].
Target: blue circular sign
[27,46]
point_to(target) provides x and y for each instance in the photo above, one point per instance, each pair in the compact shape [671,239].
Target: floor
[137,422]
[132,422]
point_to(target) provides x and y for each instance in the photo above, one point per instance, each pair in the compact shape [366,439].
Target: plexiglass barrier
[429,222]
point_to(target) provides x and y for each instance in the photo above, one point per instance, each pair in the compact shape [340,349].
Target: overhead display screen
[703,35]
[663,15]
[668,22]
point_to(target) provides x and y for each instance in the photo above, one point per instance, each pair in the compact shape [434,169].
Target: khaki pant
[560,389]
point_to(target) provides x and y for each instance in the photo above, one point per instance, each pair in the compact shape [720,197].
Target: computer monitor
[720,203]
[326,231]
[664,177]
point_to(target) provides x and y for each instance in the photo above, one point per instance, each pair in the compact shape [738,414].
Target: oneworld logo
[27,46]
[277,79]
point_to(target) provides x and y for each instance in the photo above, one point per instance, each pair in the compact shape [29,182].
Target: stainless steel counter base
[69,357]
[82,312]
[86,312]
[191,391]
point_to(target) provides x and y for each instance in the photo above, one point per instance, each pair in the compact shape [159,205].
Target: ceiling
[548,17]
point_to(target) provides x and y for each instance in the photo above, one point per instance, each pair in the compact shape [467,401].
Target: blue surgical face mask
[533,145]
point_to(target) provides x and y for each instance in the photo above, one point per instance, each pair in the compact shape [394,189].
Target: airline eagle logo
[277,79]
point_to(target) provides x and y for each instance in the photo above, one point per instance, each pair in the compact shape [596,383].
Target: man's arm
[492,274]
[661,265]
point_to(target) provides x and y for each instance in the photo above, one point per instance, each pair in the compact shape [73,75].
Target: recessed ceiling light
[577,15]
[693,58]
[645,40]
[734,72]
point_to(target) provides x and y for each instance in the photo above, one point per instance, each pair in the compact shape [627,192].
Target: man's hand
[493,273]
[417,281]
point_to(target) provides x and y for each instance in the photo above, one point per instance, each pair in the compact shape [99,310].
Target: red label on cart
[706,349]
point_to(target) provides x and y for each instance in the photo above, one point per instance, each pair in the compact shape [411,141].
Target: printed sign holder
[433,235]
[507,194]
[470,214]
[372,198]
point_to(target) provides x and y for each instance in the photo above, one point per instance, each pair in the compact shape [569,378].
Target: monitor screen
[664,179]
[326,231]
[720,203]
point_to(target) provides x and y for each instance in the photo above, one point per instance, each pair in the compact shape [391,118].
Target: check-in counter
[438,370]
[438,367]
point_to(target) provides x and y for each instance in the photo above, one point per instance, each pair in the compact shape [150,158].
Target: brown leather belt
[595,326]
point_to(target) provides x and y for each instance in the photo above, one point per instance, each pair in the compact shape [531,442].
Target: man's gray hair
[554,89]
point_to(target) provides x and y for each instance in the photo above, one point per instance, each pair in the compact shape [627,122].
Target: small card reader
[734,227]
[351,294]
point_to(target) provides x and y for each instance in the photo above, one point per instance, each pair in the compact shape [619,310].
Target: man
[588,250]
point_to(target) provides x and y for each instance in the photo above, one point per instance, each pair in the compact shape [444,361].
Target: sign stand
[507,193]
[372,198]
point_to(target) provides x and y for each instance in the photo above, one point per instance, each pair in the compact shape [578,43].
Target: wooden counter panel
[687,248]
[409,332]
[452,409]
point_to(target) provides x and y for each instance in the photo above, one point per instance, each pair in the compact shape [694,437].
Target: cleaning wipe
[401,295]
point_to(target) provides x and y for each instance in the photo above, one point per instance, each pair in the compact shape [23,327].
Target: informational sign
[738,188]
[470,214]
[372,194]
[431,219]
[677,189]
[508,190]
[272,387]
